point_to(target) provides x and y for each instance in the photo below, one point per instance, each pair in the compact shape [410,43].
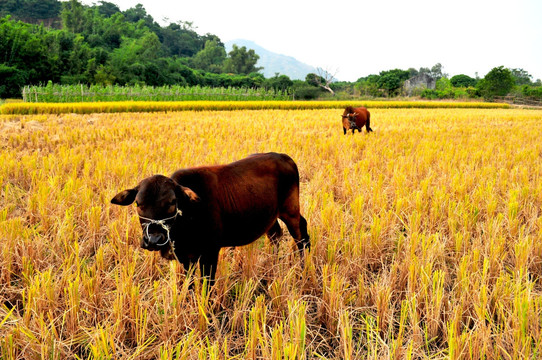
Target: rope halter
[162,223]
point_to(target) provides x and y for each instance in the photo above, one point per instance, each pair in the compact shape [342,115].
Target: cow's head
[160,201]
[351,117]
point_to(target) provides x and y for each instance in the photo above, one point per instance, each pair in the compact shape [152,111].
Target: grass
[426,238]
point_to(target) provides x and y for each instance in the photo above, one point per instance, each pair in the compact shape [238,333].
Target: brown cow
[355,118]
[194,213]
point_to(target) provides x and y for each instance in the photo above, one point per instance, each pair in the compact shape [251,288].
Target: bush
[473,92]
[497,82]
[443,84]
[532,92]
[450,93]
[11,81]
[463,81]
[307,93]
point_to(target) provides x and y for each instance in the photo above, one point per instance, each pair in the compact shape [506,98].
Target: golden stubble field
[426,239]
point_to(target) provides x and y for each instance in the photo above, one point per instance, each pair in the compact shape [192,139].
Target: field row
[158,106]
[426,234]
[82,93]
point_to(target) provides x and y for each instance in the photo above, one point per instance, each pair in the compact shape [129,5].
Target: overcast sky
[359,38]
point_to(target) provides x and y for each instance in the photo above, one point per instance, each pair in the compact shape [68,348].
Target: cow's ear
[125,197]
[183,192]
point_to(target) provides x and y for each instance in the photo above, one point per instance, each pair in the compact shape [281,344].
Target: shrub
[497,82]
[531,91]
[307,93]
[462,81]
[11,81]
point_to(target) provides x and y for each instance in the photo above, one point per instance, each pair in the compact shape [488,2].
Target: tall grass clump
[57,93]
[426,238]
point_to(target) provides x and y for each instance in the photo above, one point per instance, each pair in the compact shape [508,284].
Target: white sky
[358,38]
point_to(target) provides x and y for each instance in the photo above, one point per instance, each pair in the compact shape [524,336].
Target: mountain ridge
[273,63]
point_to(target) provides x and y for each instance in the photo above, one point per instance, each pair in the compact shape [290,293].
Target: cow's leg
[187,264]
[297,225]
[305,238]
[274,233]
[208,263]
[344,130]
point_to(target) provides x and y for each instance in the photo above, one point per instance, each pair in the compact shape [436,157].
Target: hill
[274,63]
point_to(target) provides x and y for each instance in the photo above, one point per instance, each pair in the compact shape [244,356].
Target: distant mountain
[274,63]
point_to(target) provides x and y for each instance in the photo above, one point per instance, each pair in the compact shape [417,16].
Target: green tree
[241,61]
[42,9]
[521,77]
[279,83]
[443,84]
[392,80]
[114,28]
[74,16]
[436,72]
[131,62]
[497,82]
[11,81]
[32,11]
[107,9]
[77,62]
[138,14]
[313,79]
[413,72]
[103,76]
[323,79]
[9,7]
[462,80]
[424,70]
[23,51]
[368,85]
[211,57]
[181,39]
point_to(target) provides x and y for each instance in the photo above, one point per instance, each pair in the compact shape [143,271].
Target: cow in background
[356,118]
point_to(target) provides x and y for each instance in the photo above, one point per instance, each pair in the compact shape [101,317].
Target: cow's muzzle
[153,241]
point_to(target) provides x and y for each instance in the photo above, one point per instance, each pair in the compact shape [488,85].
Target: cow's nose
[156,239]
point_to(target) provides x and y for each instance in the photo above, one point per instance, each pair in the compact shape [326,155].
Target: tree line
[500,81]
[69,43]
[99,44]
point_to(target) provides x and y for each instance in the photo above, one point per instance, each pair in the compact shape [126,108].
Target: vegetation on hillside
[99,44]
[70,43]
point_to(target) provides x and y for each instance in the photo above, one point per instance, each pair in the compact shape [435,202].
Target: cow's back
[241,200]
[278,169]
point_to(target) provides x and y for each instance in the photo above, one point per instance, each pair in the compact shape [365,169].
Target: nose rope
[162,223]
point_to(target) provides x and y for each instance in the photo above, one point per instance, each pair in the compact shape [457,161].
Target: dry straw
[154,106]
[426,239]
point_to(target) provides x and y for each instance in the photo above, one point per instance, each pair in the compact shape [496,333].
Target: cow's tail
[368,123]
